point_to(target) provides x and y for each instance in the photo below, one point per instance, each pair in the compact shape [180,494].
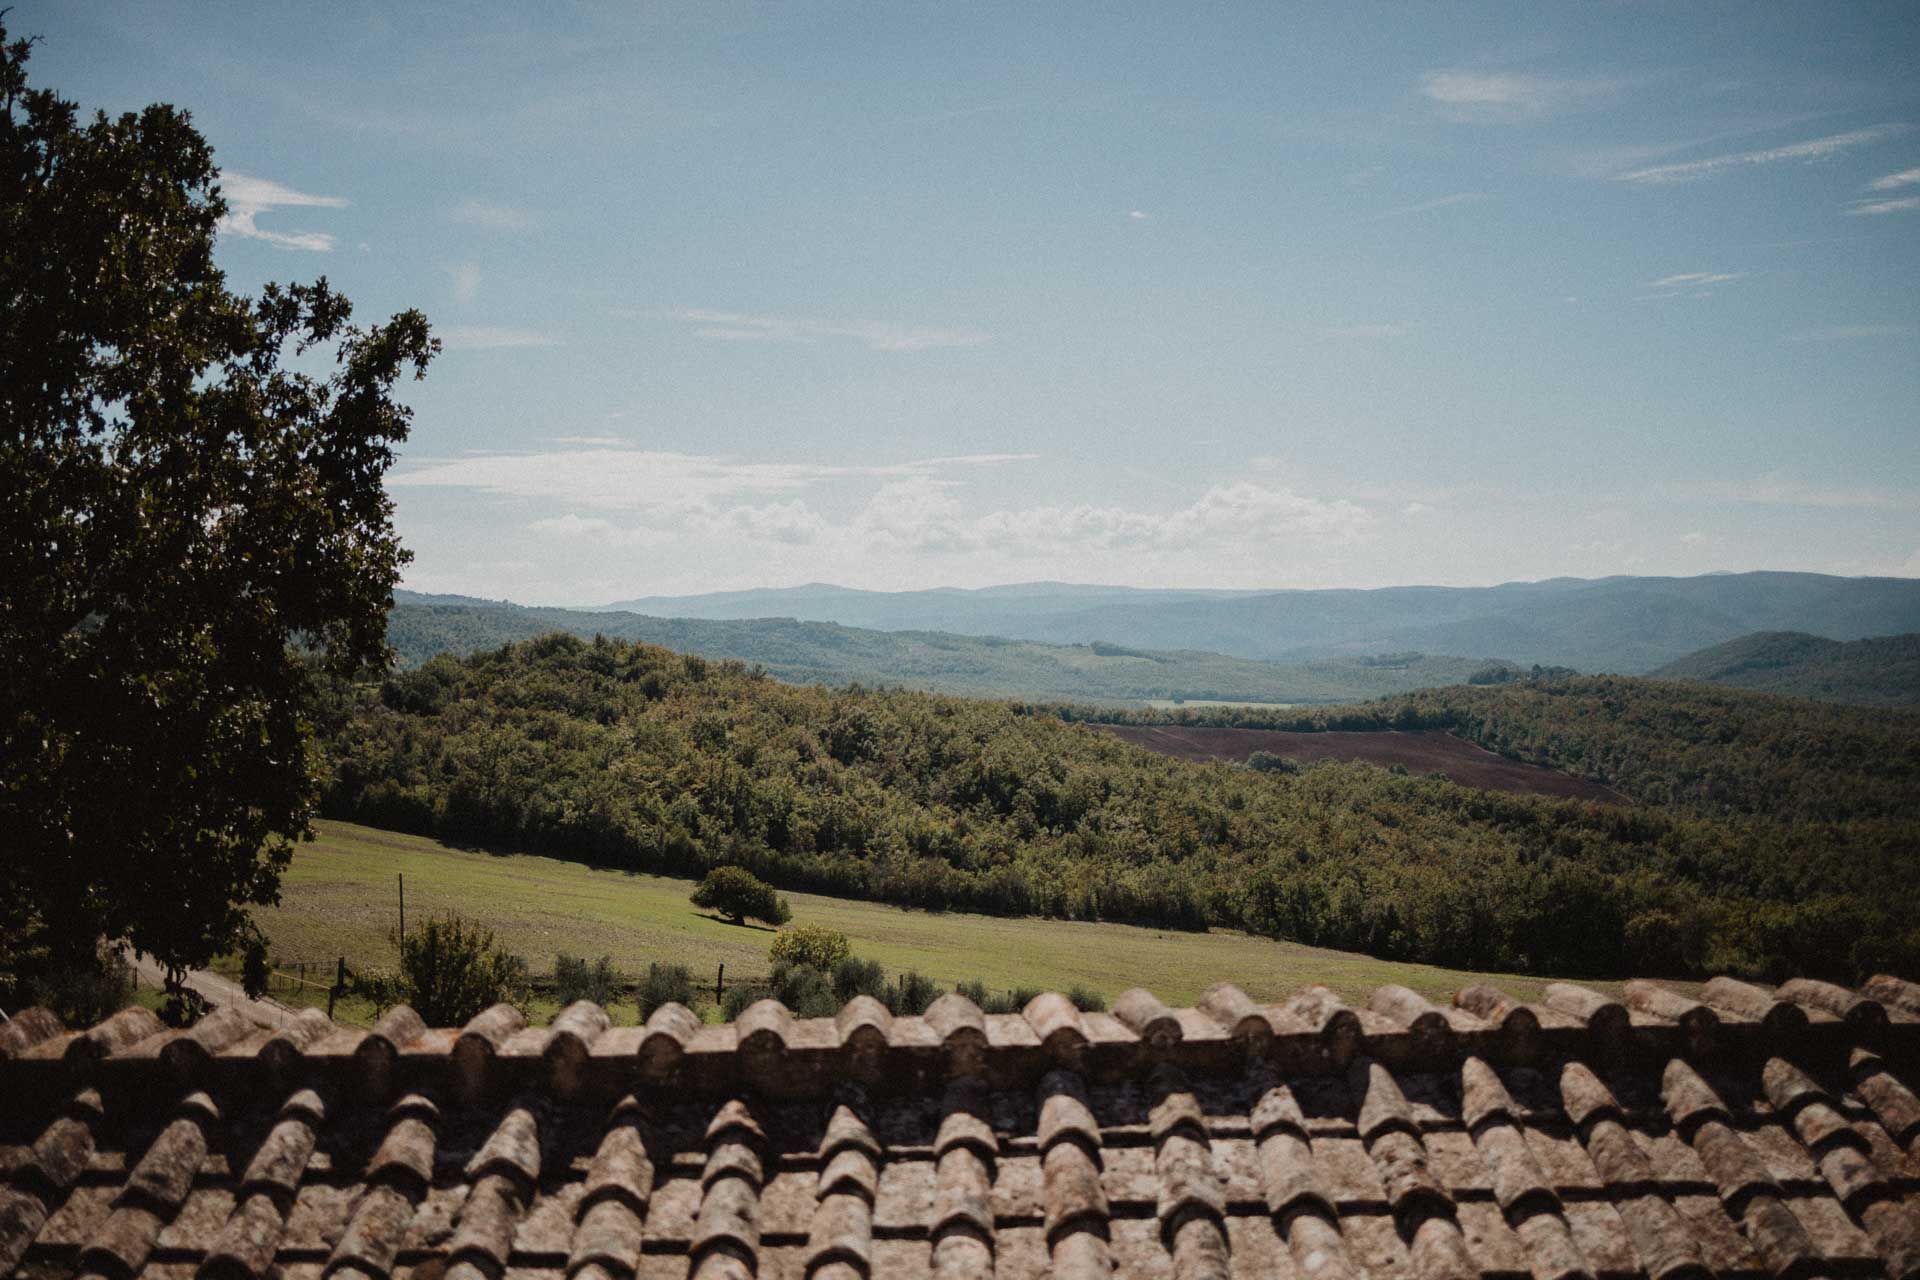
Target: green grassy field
[339,898]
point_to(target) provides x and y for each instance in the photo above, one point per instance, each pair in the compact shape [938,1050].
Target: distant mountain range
[1619,624]
[1883,671]
[828,653]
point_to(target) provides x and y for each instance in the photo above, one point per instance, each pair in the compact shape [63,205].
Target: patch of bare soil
[1419,751]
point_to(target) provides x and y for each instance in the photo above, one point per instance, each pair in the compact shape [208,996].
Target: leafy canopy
[737,893]
[184,510]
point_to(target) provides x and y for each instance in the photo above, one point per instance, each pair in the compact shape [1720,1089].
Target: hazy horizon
[1256,298]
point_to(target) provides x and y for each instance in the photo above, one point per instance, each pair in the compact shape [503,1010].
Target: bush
[85,994]
[1268,762]
[1087,1001]
[912,993]
[665,984]
[576,979]
[855,977]
[737,894]
[738,996]
[805,991]
[451,970]
[810,944]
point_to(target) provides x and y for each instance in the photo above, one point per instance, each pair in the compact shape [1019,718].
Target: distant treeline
[632,756]
[1698,748]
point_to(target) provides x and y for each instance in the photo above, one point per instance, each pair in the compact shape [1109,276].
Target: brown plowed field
[1420,751]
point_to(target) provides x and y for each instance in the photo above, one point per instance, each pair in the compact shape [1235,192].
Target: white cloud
[482,337]
[1894,181]
[1696,279]
[493,217]
[621,477]
[466,281]
[735,326]
[1875,208]
[1427,206]
[1849,332]
[1366,331]
[248,197]
[1138,215]
[1779,489]
[1417,509]
[781,518]
[1505,95]
[1815,149]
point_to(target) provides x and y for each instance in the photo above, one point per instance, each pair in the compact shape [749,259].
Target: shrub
[912,993]
[665,984]
[855,977]
[574,978]
[810,944]
[738,996]
[1268,762]
[451,970]
[255,969]
[805,991]
[737,894]
[1087,1001]
[85,994]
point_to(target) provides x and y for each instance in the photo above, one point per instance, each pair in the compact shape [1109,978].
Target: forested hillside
[979,666]
[629,755]
[1882,671]
[1625,624]
[1691,747]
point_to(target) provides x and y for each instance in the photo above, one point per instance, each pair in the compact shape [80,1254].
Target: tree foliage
[632,756]
[452,969]
[738,894]
[183,509]
[810,944]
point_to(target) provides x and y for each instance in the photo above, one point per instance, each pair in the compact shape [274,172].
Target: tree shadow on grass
[744,924]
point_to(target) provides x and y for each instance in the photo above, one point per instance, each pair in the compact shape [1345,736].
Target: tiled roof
[1744,1133]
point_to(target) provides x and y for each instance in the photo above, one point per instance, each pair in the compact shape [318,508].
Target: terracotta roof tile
[1745,1131]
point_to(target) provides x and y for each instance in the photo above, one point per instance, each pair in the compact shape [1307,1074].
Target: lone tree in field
[737,893]
[191,531]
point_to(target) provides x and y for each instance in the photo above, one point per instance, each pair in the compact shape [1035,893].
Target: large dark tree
[192,530]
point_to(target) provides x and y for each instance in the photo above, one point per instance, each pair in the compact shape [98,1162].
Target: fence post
[339,985]
[720,985]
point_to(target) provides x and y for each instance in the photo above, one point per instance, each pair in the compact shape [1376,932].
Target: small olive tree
[738,894]
[451,970]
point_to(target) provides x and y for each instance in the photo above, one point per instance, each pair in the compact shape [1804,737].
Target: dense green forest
[1883,671]
[631,756]
[1695,748]
[940,662]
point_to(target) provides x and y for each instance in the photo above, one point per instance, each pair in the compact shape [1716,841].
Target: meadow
[339,897]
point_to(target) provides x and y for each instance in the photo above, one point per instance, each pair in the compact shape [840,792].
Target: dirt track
[1421,751]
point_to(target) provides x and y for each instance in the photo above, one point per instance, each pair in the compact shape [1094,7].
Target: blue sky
[1238,295]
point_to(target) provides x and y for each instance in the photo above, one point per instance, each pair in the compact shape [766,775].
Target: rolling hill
[828,653]
[1620,624]
[1883,671]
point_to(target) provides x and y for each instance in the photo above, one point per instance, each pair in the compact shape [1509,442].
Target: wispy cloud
[1471,96]
[466,281]
[1365,331]
[483,337]
[1875,208]
[610,475]
[248,197]
[1813,150]
[1894,181]
[1428,206]
[493,217]
[1138,215]
[735,326]
[1779,489]
[1696,279]
[1851,332]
